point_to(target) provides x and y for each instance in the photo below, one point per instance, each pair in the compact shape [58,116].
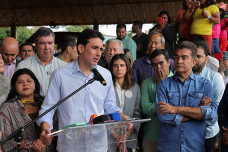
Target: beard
[198,67]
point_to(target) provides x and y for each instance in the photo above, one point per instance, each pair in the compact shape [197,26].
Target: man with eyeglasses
[184,102]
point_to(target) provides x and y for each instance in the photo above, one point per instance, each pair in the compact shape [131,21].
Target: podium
[98,137]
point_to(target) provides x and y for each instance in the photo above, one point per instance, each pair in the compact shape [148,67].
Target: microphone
[97,75]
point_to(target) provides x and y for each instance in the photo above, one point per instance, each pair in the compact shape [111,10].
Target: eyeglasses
[183,57]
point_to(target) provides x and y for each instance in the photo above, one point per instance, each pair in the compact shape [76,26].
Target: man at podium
[93,99]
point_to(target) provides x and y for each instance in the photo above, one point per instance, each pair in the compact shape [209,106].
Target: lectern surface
[98,137]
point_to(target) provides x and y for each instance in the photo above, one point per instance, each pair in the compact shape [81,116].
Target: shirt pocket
[195,98]
[174,98]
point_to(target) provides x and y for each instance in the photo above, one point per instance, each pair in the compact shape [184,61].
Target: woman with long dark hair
[127,95]
[21,107]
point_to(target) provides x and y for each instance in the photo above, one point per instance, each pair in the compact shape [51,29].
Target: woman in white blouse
[127,95]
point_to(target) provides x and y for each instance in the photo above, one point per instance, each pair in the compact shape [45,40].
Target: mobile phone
[160,20]
[195,4]
[224,55]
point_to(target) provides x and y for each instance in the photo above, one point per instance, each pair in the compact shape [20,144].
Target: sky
[110,29]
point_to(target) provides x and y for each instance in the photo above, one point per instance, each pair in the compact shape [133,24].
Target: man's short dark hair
[187,45]
[26,43]
[43,31]
[158,52]
[68,40]
[120,26]
[138,23]
[200,42]
[87,34]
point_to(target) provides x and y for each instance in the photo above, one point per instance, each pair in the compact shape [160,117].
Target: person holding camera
[168,31]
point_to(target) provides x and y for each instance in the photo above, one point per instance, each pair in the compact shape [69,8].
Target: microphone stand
[17,135]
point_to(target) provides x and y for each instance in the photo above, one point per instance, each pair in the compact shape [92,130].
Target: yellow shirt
[201,25]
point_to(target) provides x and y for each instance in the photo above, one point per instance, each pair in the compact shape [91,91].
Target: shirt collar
[41,62]
[146,59]
[126,37]
[203,71]
[13,63]
[192,76]
[118,86]
[170,74]
[76,67]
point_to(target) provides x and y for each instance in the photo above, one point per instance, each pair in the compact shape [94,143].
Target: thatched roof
[83,12]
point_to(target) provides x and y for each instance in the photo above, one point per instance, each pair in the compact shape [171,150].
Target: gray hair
[155,32]
[43,31]
[114,40]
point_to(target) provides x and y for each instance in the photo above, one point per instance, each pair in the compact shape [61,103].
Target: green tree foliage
[23,33]
[78,28]
[4,32]
[130,33]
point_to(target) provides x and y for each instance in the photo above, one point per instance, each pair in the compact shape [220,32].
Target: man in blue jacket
[180,107]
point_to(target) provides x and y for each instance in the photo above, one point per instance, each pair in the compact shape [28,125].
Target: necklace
[27,101]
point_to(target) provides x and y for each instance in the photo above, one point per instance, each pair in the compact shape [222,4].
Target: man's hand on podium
[45,138]
[125,117]
[121,148]
[120,140]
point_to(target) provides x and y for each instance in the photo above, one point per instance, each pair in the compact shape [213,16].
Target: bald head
[9,49]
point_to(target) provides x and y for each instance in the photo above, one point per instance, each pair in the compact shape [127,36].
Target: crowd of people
[174,76]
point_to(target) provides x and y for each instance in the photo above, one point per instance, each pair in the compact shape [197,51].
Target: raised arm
[214,18]
[189,11]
